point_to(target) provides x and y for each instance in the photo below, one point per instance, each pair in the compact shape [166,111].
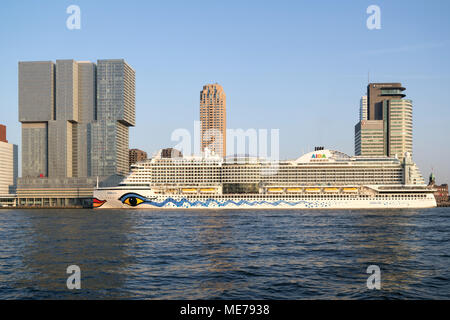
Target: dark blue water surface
[213,254]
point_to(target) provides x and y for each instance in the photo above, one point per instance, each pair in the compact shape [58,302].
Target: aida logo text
[318,156]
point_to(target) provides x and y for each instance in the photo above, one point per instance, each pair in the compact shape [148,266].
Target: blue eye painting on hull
[133,199]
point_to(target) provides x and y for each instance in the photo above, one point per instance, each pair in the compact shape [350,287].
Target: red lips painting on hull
[96,203]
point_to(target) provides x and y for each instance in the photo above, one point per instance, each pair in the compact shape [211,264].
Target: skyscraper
[378,93]
[67,132]
[75,117]
[400,127]
[388,128]
[213,119]
[87,98]
[36,109]
[115,114]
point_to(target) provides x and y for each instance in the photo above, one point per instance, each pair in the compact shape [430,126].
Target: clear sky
[299,66]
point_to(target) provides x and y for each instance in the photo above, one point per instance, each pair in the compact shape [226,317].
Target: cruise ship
[322,179]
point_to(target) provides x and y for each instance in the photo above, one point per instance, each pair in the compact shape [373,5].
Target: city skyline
[210,153]
[289,81]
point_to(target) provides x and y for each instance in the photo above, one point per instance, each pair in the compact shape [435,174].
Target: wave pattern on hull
[215,203]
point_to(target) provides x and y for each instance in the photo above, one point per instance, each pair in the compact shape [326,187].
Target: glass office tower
[115,114]
[387,130]
[75,119]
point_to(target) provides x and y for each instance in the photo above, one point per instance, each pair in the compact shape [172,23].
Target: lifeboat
[312,189]
[294,189]
[275,189]
[189,190]
[207,190]
[350,190]
[331,189]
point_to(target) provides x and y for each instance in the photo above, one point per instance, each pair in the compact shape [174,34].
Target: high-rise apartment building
[388,128]
[137,155]
[170,153]
[213,119]
[75,117]
[8,168]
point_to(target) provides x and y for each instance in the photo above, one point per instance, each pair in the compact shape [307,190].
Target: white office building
[8,173]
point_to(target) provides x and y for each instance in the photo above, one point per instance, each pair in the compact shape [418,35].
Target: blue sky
[300,66]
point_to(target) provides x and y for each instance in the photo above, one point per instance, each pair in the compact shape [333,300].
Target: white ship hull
[146,199]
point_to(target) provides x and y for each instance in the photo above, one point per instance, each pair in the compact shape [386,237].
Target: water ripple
[229,254]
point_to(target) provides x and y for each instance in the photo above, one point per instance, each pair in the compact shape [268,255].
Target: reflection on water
[386,240]
[224,254]
[42,244]
[215,238]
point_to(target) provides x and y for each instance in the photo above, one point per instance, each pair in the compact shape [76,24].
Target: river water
[224,254]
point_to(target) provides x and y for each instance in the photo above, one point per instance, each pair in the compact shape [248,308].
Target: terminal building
[75,118]
[440,191]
